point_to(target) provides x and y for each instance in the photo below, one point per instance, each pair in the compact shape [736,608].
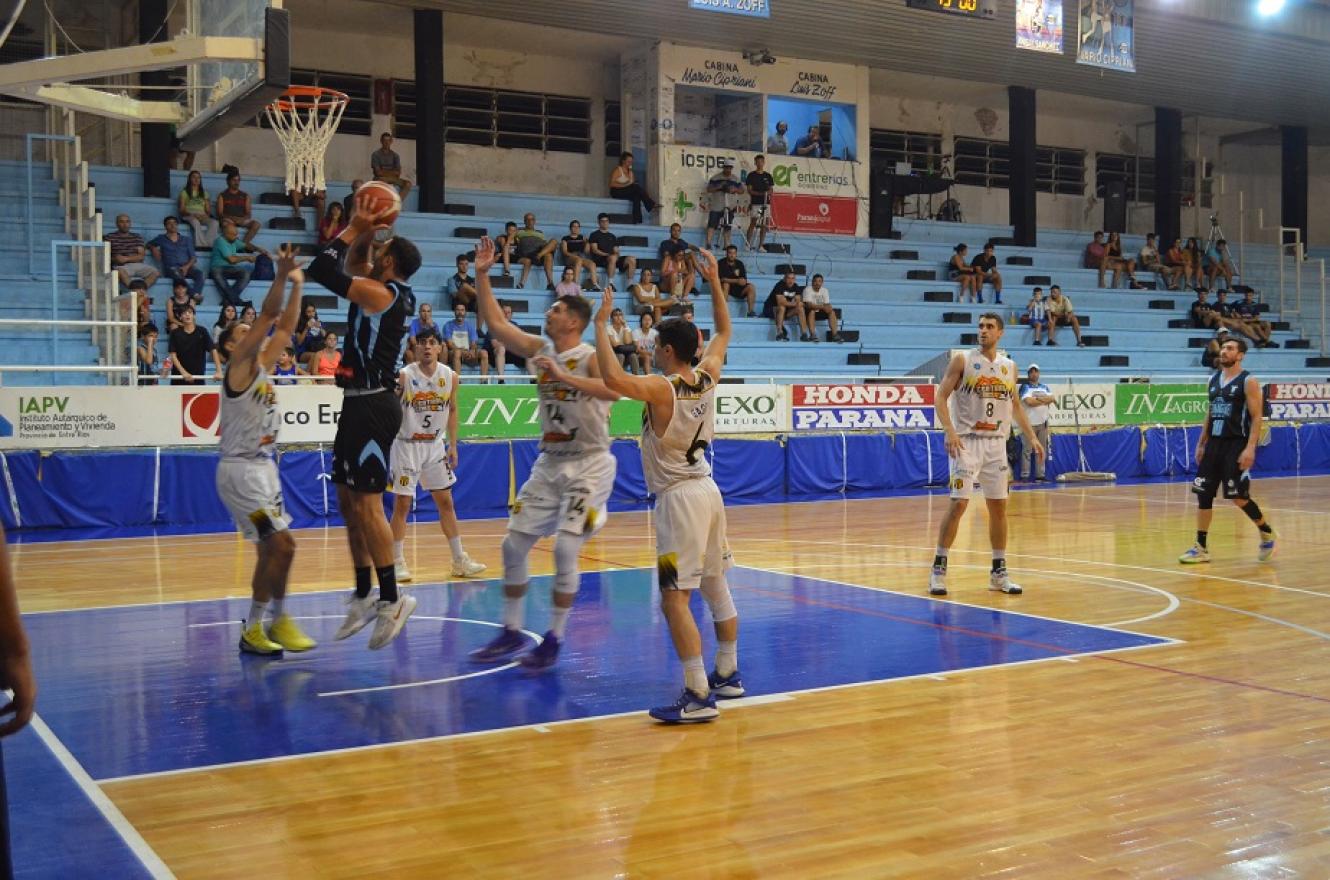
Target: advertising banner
[825,214]
[1106,34]
[861,407]
[752,409]
[1039,25]
[751,8]
[1087,405]
[1298,401]
[1159,404]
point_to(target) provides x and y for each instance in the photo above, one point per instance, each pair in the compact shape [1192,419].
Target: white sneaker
[1002,583]
[392,617]
[359,612]
[937,581]
[467,567]
[403,573]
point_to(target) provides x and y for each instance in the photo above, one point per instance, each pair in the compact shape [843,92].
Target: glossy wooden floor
[1204,759]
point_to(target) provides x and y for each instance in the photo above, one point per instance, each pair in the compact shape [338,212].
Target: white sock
[512,611]
[398,551]
[256,610]
[941,551]
[559,620]
[727,657]
[695,676]
[277,608]
[455,544]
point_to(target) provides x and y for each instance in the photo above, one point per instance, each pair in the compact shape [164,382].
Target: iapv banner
[862,407]
[1039,25]
[1106,34]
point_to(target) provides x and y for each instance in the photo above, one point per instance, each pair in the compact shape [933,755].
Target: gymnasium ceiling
[1206,57]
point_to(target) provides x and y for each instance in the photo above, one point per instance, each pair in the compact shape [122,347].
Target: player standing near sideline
[692,551]
[572,478]
[1227,450]
[421,455]
[975,404]
[376,323]
[247,480]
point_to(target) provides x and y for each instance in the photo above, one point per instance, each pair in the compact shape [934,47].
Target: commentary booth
[685,110]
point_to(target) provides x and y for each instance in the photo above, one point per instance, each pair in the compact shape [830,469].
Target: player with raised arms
[570,483]
[692,551]
[247,480]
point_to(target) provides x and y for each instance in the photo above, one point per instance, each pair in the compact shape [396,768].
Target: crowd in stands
[1178,267]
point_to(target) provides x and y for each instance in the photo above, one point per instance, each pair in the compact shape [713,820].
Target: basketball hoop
[305,118]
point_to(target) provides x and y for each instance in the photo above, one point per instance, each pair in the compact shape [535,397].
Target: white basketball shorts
[982,464]
[415,461]
[690,535]
[252,492]
[565,495]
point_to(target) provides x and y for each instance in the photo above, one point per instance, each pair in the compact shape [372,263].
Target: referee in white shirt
[1036,397]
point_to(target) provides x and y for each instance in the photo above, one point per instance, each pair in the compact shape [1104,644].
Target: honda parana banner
[1298,401]
[861,407]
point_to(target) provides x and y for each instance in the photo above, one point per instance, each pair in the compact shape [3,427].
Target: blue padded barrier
[91,489]
[749,471]
[630,483]
[482,479]
[1280,453]
[188,494]
[309,497]
[869,459]
[1314,447]
[918,460]
[22,469]
[815,465]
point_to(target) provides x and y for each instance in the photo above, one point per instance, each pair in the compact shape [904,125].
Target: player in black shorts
[376,322]
[1227,450]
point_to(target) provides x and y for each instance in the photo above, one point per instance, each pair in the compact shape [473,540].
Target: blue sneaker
[689,708]
[1267,548]
[502,647]
[543,655]
[726,687]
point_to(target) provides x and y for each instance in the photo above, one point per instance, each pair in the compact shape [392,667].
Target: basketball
[382,196]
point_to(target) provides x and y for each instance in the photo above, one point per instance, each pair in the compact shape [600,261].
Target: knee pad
[567,546]
[716,592]
[516,547]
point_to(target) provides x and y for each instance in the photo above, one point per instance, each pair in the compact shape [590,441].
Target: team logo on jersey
[199,414]
[958,483]
[570,364]
[404,481]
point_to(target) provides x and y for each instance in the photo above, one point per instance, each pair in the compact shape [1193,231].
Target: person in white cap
[1036,398]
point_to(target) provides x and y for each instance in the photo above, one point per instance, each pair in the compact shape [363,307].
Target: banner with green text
[1160,404]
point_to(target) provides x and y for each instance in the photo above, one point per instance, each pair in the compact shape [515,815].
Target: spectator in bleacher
[232,264]
[1061,312]
[625,347]
[759,183]
[1096,257]
[424,321]
[647,299]
[463,344]
[1119,263]
[689,315]
[1036,397]
[195,208]
[964,274]
[734,278]
[461,286]
[1218,262]
[190,345]
[986,271]
[1150,260]
[573,248]
[568,285]
[1036,314]
[645,336]
[1234,321]
[323,362]
[349,200]
[247,315]
[175,306]
[150,372]
[505,247]
[225,318]
[286,368]
[677,270]
[309,332]
[603,247]
[1179,259]
[624,185]
[175,254]
[777,144]
[533,246]
[817,301]
[810,145]
[129,254]
[498,351]
[386,165]
[1196,260]
[233,204]
[1202,313]
[320,201]
[143,306]
[722,188]
[1212,347]
[785,300]
[1248,311]
[332,224]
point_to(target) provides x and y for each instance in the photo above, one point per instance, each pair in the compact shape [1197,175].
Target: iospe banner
[861,407]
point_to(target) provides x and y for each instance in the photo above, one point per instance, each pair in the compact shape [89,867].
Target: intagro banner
[1298,401]
[861,407]
[752,409]
[1160,404]
[1085,405]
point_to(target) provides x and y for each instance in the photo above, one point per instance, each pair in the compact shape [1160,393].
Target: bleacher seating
[898,317]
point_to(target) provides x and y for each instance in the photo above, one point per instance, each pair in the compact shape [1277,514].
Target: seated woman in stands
[624,185]
[1180,258]
[309,334]
[195,208]
[1117,263]
[324,363]
[960,271]
[332,224]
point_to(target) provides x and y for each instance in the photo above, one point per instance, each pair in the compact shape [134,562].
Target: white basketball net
[305,126]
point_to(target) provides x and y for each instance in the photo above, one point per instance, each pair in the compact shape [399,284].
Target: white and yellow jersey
[426,402]
[982,402]
[249,419]
[680,454]
[571,423]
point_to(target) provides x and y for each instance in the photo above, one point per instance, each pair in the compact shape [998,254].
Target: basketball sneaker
[287,633]
[402,573]
[253,640]
[1267,547]
[937,581]
[392,617]
[689,708]
[544,655]
[467,567]
[502,647]
[1002,583]
[359,613]
[1195,555]
[726,687]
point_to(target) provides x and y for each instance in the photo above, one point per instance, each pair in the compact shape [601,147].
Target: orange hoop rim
[310,98]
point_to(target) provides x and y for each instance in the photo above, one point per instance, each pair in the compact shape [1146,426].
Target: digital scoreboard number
[967,8]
